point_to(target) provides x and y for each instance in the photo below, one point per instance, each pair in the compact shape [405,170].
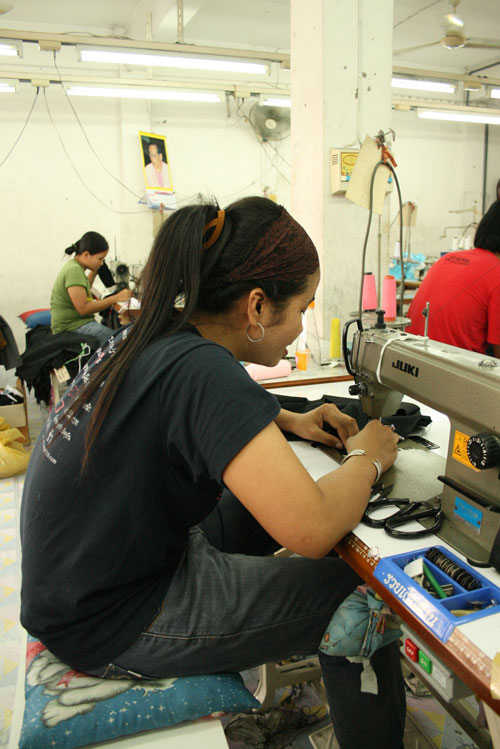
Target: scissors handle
[376,504]
[407,514]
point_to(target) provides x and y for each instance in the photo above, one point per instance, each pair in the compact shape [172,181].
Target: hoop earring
[256,340]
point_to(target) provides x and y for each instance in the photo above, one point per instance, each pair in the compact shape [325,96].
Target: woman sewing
[182,484]
[72,306]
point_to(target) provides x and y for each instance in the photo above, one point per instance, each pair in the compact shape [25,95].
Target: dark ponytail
[73,248]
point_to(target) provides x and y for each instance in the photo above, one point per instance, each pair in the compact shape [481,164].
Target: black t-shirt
[99,551]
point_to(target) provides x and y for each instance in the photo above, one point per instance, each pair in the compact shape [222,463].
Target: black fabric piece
[46,351]
[110,316]
[407,418]
[9,354]
[105,275]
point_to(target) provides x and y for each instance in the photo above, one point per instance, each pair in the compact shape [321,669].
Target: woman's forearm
[96,305]
[286,420]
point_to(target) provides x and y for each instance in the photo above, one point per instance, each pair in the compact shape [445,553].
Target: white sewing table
[472,646]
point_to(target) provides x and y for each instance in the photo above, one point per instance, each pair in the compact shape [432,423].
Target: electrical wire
[76,170]
[367,234]
[402,282]
[412,15]
[242,189]
[22,129]
[87,138]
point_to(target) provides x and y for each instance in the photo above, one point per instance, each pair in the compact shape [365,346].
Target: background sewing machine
[386,364]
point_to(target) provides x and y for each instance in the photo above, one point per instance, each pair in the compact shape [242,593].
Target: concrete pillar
[341,67]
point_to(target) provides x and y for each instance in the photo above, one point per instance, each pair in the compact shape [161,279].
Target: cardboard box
[17,415]
[14,415]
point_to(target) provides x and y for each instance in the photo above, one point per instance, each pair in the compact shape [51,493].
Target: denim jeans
[101,332]
[230,608]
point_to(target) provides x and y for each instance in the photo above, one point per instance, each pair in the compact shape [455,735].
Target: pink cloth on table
[259,372]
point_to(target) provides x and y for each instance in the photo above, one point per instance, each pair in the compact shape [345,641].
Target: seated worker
[463,289]
[182,484]
[71,304]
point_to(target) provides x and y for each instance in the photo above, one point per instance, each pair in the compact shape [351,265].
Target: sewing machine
[387,364]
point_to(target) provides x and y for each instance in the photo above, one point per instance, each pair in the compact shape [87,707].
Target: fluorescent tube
[171,61]
[277,102]
[142,93]
[10,49]
[413,83]
[481,119]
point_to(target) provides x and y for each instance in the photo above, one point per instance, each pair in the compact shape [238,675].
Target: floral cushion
[67,708]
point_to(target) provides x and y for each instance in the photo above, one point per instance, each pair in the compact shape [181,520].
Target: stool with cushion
[66,708]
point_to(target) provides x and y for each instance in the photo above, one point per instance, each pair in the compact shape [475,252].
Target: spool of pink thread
[369,296]
[389,297]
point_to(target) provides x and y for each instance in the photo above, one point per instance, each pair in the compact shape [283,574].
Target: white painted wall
[440,168]
[44,206]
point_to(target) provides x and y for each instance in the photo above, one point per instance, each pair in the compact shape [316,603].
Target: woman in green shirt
[72,306]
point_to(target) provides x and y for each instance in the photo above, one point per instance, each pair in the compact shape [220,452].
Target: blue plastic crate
[436,613]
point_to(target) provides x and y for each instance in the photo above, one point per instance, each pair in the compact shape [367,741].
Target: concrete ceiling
[262,24]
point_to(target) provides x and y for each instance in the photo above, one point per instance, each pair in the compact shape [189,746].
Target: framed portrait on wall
[156,169]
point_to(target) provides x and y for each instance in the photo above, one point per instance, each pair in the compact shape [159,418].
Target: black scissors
[407,512]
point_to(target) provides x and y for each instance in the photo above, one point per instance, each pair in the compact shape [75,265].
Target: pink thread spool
[389,297]
[369,297]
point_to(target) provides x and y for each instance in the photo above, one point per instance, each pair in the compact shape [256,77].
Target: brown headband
[283,253]
[218,223]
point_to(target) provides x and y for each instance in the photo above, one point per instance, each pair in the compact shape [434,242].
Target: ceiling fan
[454,36]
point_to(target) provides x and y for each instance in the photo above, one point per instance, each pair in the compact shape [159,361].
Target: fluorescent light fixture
[150,59]
[7,88]
[277,102]
[481,119]
[413,83]
[495,93]
[143,93]
[11,49]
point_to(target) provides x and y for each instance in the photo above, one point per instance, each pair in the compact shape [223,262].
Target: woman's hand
[317,425]
[379,442]
[122,296]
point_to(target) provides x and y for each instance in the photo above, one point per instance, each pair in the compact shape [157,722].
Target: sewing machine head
[387,364]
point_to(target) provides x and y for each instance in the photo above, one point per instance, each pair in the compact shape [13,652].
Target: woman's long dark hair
[91,242]
[487,235]
[179,269]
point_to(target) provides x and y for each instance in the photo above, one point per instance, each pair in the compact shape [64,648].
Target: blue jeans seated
[101,332]
[233,606]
